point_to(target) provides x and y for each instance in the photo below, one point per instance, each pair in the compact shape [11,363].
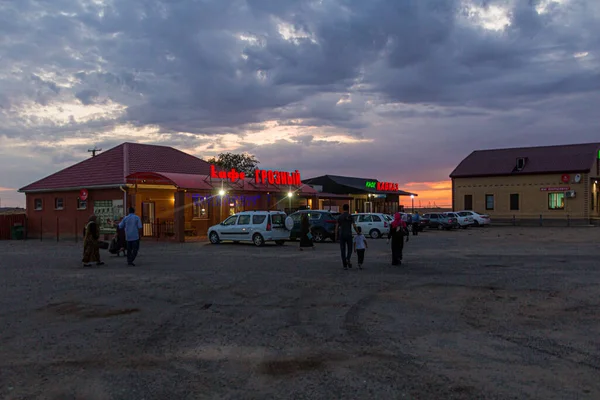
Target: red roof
[538,160]
[203,182]
[110,168]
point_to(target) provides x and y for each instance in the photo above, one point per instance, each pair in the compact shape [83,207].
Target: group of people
[127,238]
[350,243]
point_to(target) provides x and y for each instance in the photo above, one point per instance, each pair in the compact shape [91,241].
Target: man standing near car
[132,225]
[343,228]
[416,223]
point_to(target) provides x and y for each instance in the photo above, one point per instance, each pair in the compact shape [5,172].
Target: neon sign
[277,177]
[232,175]
[383,186]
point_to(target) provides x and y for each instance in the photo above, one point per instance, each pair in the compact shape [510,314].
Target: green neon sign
[373,185]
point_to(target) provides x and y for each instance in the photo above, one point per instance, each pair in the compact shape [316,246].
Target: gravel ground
[492,313]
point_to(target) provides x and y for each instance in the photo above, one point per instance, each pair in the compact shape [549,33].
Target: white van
[257,227]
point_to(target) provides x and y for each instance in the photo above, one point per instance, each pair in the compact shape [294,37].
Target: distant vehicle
[373,224]
[322,224]
[441,221]
[478,219]
[464,221]
[257,227]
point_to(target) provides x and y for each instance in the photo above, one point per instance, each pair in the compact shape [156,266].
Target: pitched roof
[539,160]
[357,185]
[113,166]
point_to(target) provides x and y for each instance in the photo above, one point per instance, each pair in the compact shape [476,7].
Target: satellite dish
[577,178]
[289,223]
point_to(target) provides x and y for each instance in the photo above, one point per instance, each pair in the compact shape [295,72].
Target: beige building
[551,184]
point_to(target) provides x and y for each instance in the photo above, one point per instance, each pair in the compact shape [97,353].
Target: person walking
[132,224]
[305,233]
[360,246]
[416,223]
[396,234]
[91,249]
[344,227]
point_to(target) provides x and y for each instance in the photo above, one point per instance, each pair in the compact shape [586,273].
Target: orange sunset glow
[430,194]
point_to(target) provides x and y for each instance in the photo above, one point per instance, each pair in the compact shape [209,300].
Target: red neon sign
[387,186]
[232,175]
[277,177]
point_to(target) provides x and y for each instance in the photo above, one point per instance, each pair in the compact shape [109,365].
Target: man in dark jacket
[344,227]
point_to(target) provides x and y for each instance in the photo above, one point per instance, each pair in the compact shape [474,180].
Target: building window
[489,201]
[37,204]
[81,204]
[556,201]
[58,203]
[199,207]
[514,202]
[468,202]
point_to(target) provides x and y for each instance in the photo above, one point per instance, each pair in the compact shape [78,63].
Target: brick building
[175,194]
[548,183]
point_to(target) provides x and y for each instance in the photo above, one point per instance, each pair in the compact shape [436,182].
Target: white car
[478,219]
[464,221]
[372,224]
[257,227]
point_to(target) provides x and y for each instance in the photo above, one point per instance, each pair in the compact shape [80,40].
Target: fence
[72,229]
[8,222]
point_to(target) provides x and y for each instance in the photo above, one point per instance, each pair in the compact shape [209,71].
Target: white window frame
[62,200]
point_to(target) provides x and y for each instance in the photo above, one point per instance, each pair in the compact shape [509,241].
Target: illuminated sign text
[232,175]
[277,177]
[383,186]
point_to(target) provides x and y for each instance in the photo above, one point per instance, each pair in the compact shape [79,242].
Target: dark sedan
[441,221]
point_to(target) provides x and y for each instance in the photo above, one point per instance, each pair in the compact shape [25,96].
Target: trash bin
[17,232]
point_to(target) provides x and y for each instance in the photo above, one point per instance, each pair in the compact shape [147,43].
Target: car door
[242,229]
[379,223]
[226,229]
[278,226]
[365,221]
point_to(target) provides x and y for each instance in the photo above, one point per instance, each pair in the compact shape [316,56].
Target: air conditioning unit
[570,194]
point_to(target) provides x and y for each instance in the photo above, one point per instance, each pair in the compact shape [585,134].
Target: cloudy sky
[398,90]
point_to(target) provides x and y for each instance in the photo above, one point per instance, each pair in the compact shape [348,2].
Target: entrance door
[148,218]
[368,207]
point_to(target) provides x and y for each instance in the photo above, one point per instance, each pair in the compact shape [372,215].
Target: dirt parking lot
[492,313]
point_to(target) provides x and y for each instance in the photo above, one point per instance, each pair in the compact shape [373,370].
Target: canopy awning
[205,182]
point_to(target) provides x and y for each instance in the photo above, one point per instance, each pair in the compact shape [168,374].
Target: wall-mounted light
[221,192]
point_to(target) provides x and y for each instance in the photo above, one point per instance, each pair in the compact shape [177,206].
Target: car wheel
[214,238]
[375,234]
[440,227]
[280,242]
[318,236]
[258,240]
[476,223]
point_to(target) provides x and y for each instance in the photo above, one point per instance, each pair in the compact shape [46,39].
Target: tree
[244,162]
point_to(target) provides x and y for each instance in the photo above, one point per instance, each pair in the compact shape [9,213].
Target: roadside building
[361,194]
[548,183]
[176,195]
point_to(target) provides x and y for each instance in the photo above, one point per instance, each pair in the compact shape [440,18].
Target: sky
[396,90]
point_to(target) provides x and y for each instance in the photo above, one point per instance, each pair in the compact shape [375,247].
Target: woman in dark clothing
[91,250]
[396,234]
[305,239]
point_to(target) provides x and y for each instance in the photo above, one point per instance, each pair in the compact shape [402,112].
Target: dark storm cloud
[216,67]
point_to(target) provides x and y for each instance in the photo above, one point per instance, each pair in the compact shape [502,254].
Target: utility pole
[94,151]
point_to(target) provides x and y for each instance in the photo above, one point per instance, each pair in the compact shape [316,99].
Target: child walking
[360,245]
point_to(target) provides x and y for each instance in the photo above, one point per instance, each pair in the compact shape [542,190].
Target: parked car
[257,227]
[372,224]
[478,219]
[464,221]
[322,224]
[441,221]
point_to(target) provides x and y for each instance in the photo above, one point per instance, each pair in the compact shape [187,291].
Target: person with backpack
[132,224]
[396,234]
